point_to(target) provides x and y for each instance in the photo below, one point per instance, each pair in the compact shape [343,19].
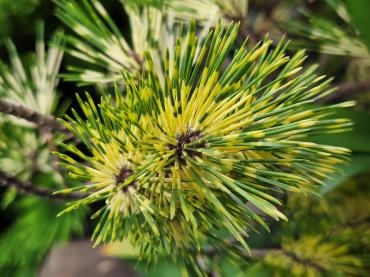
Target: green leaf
[26,242]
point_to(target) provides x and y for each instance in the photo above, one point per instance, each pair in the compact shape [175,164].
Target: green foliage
[333,232]
[337,36]
[356,141]
[32,83]
[20,163]
[100,44]
[29,82]
[208,12]
[313,256]
[28,239]
[146,3]
[204,144]
[179,157]
[325,236]
[358,11]
[25,153]
[10,9]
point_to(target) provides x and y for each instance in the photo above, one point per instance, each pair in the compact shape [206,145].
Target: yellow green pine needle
[208,147]
[97,40]
[315,255]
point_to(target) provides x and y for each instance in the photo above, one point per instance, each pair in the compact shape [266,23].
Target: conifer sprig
[339,37]
[105,47]
[207,148]
[33,85]
[207,12]
[99,43]
[312,255]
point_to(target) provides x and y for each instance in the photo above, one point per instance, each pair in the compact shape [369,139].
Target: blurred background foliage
[327,234]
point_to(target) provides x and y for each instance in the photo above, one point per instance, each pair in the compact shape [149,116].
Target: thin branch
[27,187]
[354,87]
[347,91]
[43,121]
[303,260]
[259,253]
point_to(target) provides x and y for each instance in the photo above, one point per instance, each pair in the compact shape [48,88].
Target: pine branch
[43,121]
[354,87]
[259,253]
[27,187]
[347,90]
[304,261]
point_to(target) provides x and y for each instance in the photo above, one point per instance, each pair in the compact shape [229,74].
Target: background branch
[348,90]
[27,187]
[354,87]
[43,121]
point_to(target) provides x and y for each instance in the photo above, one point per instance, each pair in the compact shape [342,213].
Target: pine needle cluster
[325,236]
[211,146]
